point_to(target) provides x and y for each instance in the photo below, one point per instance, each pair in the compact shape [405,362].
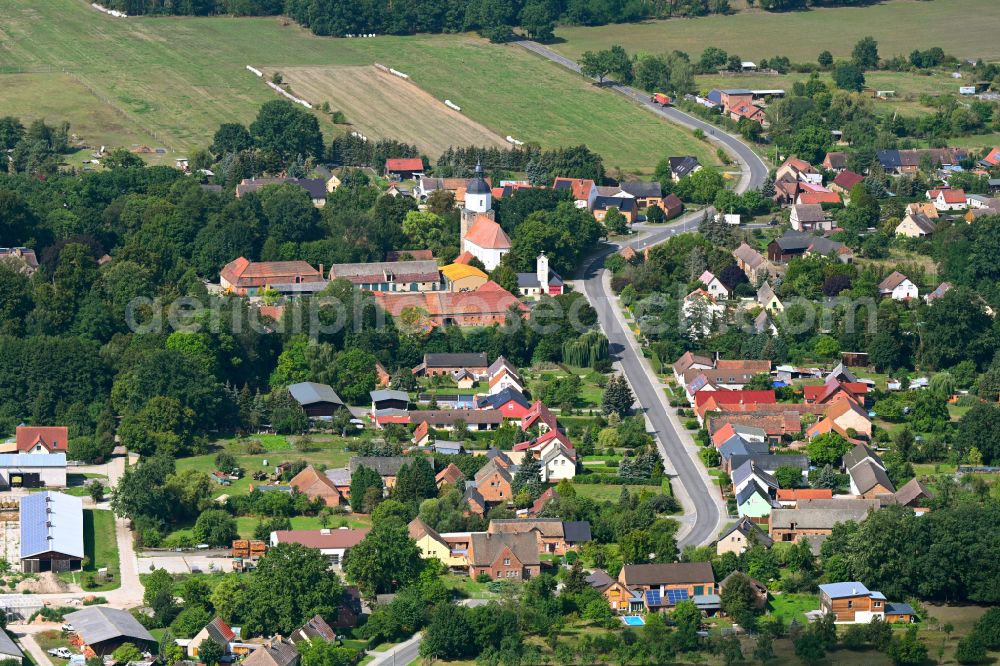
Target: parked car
[61,652]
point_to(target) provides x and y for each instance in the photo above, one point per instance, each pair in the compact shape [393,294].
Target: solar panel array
[652,597]
[673,596]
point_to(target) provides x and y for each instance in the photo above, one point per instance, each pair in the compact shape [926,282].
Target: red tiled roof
[799,165]
[993,158]
[464,258]
[53,438]
[735,397]
[818,198]
[339,538]
[486,233]
[242,272]
[804,493]
[489,299]
[538,413]
[581,187]
[743,365]
[450,474]
[404,164]
[848,179]
[953,196]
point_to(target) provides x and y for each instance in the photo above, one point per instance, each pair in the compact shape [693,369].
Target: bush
[710,456]
[691,424]
[483,578]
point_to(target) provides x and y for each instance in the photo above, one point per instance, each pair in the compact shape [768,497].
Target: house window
[850,603]
[878,604]
[506,561]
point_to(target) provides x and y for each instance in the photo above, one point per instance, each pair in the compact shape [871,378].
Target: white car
[61,652]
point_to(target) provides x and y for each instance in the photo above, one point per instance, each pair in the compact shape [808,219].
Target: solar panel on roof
[653,597]
[673,596]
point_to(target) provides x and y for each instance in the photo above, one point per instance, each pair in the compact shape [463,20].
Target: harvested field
[379,104]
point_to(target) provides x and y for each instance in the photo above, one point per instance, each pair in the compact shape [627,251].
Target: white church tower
[542,271]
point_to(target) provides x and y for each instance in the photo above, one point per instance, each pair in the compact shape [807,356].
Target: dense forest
[493,18]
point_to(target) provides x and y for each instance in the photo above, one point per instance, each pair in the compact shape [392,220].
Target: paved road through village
[703,507]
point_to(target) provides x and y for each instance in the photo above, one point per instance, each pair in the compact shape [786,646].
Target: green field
[169,82]
[793,606]
[101,548]
[801,36]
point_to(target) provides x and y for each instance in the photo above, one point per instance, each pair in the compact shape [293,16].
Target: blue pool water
[633,620]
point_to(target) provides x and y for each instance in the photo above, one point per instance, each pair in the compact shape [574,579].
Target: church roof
[477,185]
[487,234]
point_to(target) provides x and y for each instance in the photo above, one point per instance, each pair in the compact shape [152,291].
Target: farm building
[104,629]
[316,399]
[404,168]
[51,532]
[32,470]
[334,544]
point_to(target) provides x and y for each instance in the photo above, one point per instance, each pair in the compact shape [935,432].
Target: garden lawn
[802,35]
[246,524]
[170,82]
[606,492]
[101,549]
[793,606]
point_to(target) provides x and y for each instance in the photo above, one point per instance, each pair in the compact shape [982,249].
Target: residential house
[539,416]
[447,364]
[663,585]
[938,292]
[741,536]
[315,484]
[450,475]
[387,466]
[835,161]
[584,190]
[913,494]
[753,502]
[315,187]
[898,162]
[690,361]
[799,170]
[714,286]
[769,463]
[817,197]
[558,462]
[869,480]
[925,207]
[795,244]
[672,206]
[915,225]
[504,556]
[433,545]
[317,400]
[832,389]
[851,602]
[217,630]
[510,402]
[389,399]
[809,217]
[474,501]
[898,287]
[712,401]
[817,517]
[859,454]
[100,630]
[621,599]
[332,543]
[645,193]
[977,201]
[544,281]
[849,415]
[751,262]
[749,474]
[740,449]
[844,181]
[41,439]
[340,477]
[554,536]
[746,433]
[493,481]
[51,532]
[21,259]
[404,168]
[391,276]
[274,652]
[947,199]
[488,305]
[448,419]
[315,628]
[625,205]
[681,167]
[248,278]
[505,380]
[763,323]
[768,299]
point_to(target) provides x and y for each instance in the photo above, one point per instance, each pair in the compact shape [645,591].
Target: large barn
[32,470]
[317,400]
[51,532]
[103,629]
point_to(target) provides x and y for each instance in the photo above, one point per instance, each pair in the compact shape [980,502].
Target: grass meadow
[170,81]
[964,28]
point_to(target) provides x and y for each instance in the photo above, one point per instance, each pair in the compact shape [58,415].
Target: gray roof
[899,608]
[388,394]
[749,491]
[8,648]
[911,491]
[420,270]
[51,522]
[478,185]
[599,579]
[774,461]
[923,222]
[638,188]
[683,166]
[809,212]
[621,203]
[384,465]
[822,514]
[866,475]
[736,445]
[309,393]
[100,623]
[576,531]
[859,453]
[747,527]
[27,460]
[529,280]
[751,468]
[275,653]
[477,360]
[844,589]
[339,476]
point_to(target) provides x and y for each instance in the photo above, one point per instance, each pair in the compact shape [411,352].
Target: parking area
[184,563]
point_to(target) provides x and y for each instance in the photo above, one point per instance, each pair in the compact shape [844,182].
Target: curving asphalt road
[703,506]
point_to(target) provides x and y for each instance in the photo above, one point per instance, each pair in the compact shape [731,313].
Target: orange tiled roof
[53,438]
[487,234]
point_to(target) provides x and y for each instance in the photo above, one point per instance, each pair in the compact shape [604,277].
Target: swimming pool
[633,620]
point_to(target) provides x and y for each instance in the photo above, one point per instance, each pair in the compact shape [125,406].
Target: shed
[104,629]
[32,470]
[317,400]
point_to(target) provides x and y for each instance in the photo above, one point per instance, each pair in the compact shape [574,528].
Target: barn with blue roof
[51,532]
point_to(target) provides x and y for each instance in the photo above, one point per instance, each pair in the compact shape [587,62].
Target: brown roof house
[449,475]
[694,578]
[315,484]
[553,534]
[246,278]
[504,556]
[817,517]
[276,652]
[493,482]
[218,631]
